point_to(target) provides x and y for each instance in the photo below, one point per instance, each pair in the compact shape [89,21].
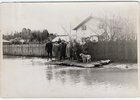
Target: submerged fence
[101,50]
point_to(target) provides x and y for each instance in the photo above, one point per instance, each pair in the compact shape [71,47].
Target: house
[62,37]
[91,28]
[5,42]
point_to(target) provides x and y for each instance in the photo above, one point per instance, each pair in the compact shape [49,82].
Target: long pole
[70,32]
[22,50]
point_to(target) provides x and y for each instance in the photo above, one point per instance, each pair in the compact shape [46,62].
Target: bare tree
[112,26]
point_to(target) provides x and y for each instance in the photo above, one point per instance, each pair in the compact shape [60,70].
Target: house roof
[5,41]
[83,22]
[66,38]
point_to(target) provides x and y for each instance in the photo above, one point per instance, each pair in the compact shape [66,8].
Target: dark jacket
[62,47]
[49,47]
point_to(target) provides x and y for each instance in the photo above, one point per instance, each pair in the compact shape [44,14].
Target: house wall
[92,28]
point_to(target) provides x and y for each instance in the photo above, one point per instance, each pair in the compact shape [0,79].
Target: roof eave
[82,22]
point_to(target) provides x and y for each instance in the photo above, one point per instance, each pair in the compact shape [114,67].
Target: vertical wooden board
[106,51]
[4,49]
[42,47]
[97,50]
[28,49]
[134,52]
[20,50]
[9,51]
[89,50]
[14,50]
[117,50]
[7,47]
[32,50]
[109,51]
[114,51]
[122,51]
[17,50]
[94,51]
[17,53]
[42,50]
[25,49]
[103,51]
[36,50]
[129,52]
[126,51]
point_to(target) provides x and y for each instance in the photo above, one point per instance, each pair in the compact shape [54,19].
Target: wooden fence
[25,50]
[114,50]
[101,50]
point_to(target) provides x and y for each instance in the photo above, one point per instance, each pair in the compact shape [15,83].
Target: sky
[52,16]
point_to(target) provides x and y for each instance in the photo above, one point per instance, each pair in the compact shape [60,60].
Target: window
[101,26]
[83,27]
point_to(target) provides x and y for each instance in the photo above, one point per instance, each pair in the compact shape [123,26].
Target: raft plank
[78,64]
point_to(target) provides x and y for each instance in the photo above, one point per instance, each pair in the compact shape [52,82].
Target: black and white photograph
[69,49]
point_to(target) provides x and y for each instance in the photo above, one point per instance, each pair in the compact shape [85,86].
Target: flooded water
[31,77]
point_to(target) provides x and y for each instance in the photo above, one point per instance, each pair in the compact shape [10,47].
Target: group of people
[62,49]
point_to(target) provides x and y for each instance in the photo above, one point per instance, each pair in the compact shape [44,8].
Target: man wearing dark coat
[48,48]
[62,50]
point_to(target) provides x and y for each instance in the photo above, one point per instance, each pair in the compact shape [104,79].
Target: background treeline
[29,36]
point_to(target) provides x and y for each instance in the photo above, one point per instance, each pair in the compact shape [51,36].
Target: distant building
[62,37]
[91,28]
[5,42]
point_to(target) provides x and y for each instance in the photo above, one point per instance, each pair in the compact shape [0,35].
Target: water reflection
[62,81]
[49,73]
[92,77]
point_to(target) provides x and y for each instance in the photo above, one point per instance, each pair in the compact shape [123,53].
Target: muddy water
[30,77]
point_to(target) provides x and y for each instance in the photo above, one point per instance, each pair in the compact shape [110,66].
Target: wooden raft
[80,64]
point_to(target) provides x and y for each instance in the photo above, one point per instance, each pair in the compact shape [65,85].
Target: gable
[82,23]
[87,20]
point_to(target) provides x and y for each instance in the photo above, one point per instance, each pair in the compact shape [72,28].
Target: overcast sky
[50,16]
